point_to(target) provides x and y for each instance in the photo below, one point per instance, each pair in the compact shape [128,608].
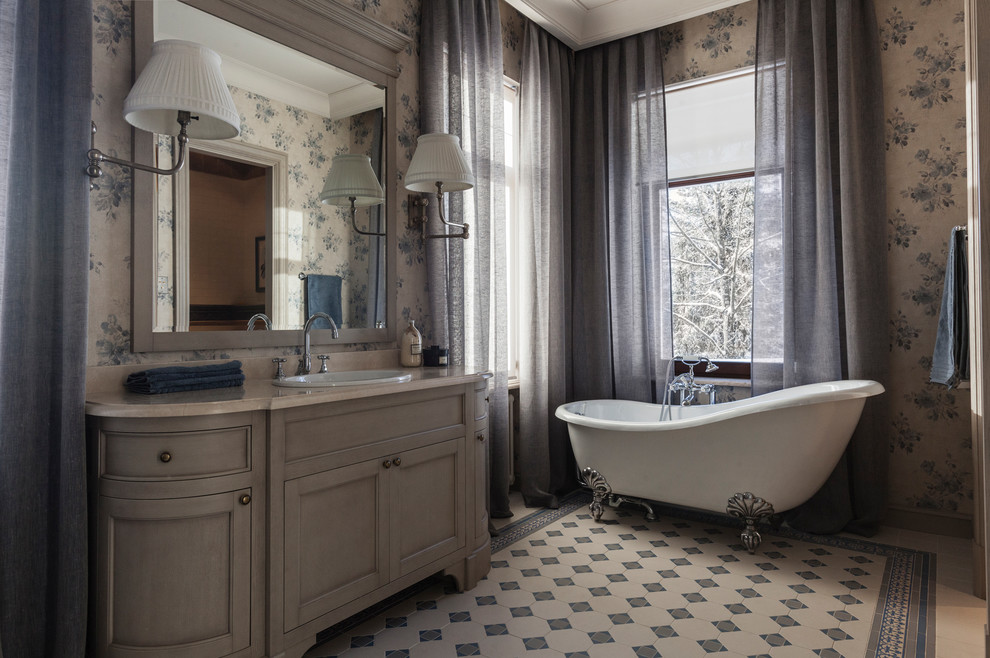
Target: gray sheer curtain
[545,265]
[461,93]
[45,54]
[820,230]
[621,320]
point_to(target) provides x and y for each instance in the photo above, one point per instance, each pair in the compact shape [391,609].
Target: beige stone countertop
[261,394]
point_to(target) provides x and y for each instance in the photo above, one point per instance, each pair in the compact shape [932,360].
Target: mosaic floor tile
[683,585]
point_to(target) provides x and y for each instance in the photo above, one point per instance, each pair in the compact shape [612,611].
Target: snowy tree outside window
[711,245]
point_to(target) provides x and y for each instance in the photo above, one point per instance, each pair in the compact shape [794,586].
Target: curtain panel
[45,93]
[820,234]
[545,266]
[460,70]
[621,302]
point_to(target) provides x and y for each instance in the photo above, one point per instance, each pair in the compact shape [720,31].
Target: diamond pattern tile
[629,587]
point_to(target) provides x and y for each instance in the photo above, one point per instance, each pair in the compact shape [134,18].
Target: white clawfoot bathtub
[780,446]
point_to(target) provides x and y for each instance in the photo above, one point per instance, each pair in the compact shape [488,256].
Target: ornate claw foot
[750,508]
[599,487]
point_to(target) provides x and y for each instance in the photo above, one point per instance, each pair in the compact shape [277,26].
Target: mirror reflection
[242,230]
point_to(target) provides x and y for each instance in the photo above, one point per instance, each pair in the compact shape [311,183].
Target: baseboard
[933,522]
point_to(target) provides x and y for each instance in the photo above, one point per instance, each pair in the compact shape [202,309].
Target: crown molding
[581,26]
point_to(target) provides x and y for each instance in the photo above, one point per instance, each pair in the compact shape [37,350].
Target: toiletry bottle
[411,352]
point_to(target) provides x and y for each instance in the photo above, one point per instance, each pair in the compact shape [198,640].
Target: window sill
[725,381]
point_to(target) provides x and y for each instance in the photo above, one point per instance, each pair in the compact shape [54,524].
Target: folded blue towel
[323,295]
[950,359]
[185,378]
[188,384]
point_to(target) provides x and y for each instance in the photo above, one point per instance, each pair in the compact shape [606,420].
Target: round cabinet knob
[165,457]
[245,499]
[481,437]
[397,461]
[387,463]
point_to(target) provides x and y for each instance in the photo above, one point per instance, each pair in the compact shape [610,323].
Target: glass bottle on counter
[411,348]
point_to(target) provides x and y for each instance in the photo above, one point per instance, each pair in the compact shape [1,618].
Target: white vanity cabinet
[178,529]
[245,532]
[373,496]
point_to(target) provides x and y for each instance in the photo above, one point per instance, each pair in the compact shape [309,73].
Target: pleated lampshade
[439,158]
[351,176]
[182,75]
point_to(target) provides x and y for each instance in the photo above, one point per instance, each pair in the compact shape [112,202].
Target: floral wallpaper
[715,42]
[110,199]
[923,55]
[923,68]
[513,27]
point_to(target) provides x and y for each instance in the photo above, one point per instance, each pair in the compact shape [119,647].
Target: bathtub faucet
[685,385]
[692,361]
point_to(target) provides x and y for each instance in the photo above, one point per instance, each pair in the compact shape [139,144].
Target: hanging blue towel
[323,295]
[950,360]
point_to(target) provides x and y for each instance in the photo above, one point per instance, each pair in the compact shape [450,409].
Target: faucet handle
[323,361]
[279,373]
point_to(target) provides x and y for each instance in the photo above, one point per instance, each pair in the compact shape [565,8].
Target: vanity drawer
[321,430]
[175,455]
[481,401]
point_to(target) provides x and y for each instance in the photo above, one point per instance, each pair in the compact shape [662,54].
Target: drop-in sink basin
[345,378]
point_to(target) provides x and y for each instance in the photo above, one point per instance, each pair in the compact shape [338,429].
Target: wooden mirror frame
[326,30]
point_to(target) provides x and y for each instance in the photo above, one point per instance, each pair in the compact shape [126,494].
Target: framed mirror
[241,229]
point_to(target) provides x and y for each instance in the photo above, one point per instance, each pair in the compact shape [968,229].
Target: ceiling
[584,23]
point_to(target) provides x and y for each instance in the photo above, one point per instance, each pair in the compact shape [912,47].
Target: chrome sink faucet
[259,316]
[305,362]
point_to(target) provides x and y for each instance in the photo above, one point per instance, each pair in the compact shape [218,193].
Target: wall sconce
[352,181]
[439,163]
[180,92]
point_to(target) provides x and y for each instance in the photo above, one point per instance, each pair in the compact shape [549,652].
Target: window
[710,151]
[511,119]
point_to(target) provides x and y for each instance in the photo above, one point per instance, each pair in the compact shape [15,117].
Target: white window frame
[730,368]
[510,97]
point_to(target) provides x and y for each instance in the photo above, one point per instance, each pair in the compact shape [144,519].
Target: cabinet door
[481,471]
[336,539]
[174,576]
[427,505]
